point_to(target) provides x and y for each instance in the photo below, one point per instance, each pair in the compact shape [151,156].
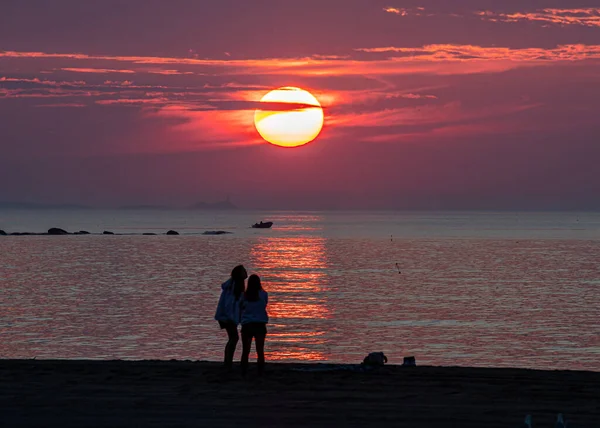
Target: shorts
[225,324]
[254,329]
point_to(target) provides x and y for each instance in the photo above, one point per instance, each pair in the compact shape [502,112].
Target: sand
[194,394]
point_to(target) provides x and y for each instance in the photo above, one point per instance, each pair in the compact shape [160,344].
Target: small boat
[261,225]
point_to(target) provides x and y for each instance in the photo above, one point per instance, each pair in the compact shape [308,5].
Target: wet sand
[194,394]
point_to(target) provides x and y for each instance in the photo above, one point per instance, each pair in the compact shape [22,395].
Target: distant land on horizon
[222,205]
[40,206]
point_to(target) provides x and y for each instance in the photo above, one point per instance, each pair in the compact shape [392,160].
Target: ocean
[500,289]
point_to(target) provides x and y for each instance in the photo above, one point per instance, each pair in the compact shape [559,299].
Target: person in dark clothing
[254,322]
[228,310]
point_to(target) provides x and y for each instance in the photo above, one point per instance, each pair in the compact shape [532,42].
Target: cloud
[417,11]
[466,53]
[72,105]
[97,70]
[442,59]
[587,17]
[387,93]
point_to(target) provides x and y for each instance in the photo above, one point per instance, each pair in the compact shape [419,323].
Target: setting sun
[293,127]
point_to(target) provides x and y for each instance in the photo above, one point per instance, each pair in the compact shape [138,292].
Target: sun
[295,126]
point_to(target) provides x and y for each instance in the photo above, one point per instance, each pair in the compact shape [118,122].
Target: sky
[469,104]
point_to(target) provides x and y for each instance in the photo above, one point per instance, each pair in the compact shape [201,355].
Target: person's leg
[246,345]
[261,335]
[234,337]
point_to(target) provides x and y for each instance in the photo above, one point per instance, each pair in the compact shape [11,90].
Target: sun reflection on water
[293,271]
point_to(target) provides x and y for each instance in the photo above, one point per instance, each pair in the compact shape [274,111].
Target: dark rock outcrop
[82,232]
[3,233]
[106,232]
[172,232]
[216,232]
[57,231]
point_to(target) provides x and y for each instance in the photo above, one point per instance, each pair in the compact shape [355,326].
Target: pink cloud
[73,105]
[417,11]
[456,59]
[587,17]
[96,70]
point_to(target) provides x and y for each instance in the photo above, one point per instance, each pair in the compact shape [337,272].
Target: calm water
[481,289]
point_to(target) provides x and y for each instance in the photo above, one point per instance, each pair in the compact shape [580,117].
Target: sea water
[472,289]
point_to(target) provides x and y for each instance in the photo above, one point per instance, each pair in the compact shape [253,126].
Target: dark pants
[258,331]
[234,338]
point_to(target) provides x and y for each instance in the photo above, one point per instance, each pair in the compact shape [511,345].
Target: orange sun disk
[294,127]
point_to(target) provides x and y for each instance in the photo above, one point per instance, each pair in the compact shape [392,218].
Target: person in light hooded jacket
[228,310]
[254,322]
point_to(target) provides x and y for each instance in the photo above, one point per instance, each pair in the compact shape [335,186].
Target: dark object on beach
[261,225]
[106,232]
[57,231]
[216,232]
[172,232]
[82,232]
[375,359]
[148,234]
[409,362]
[3,233]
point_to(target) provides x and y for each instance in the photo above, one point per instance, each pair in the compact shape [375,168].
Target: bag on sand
[375,359]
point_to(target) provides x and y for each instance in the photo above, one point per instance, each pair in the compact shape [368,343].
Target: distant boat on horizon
[261,225]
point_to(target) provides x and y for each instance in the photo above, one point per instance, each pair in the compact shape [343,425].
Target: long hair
[254,287]
[238,275]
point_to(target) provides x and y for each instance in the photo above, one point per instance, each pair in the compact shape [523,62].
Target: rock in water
[57,231]
[106,232]
[82,232]
[3,233]
[172,232]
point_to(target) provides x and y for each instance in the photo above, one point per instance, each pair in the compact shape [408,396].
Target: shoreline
[157,393]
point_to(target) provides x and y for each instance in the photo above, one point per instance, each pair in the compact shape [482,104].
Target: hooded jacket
[228,308]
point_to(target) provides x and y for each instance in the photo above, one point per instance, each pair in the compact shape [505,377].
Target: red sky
[473,105]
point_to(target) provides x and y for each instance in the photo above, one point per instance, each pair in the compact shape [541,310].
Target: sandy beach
[191,394]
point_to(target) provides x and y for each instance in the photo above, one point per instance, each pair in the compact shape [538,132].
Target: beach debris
[528,423]
[409,361]
[172,232]
[375,359]
[560,422]
[398,267]
[57,231]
